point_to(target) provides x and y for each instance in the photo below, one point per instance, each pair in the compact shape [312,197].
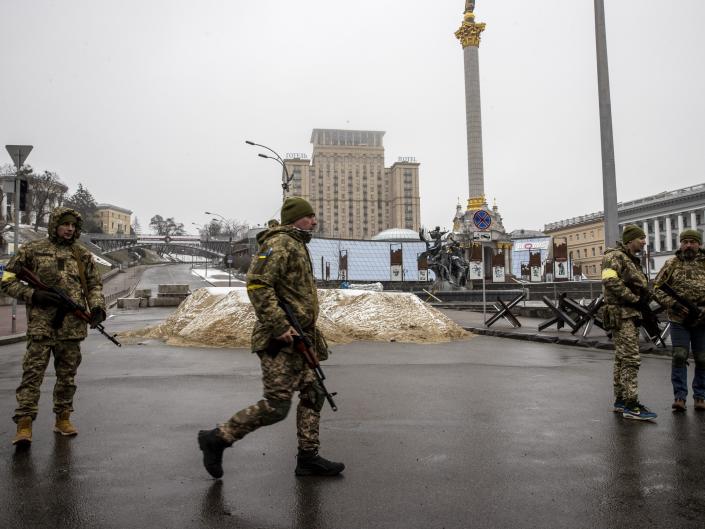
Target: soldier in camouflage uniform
[625,286]
[59,262]
[281,272]
[685,273]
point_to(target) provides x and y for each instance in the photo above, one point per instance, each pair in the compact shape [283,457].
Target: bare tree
[236,229]
[46,191]
[168,226]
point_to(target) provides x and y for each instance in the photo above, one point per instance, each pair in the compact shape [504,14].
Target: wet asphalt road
[485,432]
[182,274]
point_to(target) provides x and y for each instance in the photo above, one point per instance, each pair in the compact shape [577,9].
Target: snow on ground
[223,317]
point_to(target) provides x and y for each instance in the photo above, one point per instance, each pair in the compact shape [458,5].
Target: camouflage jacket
[687,278]
[622,280]
[55,264]
[281,271]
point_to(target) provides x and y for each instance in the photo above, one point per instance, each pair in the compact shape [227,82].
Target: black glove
[44,298]
[680,311]
[644,297]
[97,316]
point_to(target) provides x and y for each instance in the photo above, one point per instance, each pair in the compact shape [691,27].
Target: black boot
[212,446]
[309,463]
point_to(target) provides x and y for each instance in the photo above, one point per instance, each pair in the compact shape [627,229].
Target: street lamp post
[609,179]
[286,179]
[229,256]
[205,229]
[19,154]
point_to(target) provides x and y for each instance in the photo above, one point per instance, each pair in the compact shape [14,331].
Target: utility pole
[19,154]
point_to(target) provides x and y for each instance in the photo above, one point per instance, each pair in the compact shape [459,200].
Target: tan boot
[63,424]
[24,432]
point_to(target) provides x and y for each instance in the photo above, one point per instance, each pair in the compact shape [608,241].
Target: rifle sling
[81,273]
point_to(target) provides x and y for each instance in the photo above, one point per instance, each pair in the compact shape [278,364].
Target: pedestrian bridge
[216,247]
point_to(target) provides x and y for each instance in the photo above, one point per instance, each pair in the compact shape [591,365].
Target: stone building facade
[662,217]
[585,236]
[113,220]
[354,195]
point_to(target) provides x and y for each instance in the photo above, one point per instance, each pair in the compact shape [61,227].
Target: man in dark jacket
[61,262]
[281,273]
[685,274]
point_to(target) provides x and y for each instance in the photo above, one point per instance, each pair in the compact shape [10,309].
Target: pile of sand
[223,317]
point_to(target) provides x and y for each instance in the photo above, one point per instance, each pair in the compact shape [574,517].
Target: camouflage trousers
[67,357]
[281,376]
[626,361]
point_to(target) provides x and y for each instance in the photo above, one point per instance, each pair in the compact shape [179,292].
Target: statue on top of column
[469,6]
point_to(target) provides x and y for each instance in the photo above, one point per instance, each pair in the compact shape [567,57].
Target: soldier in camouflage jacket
[281,272]
[685,273]
[61,262]
[624,286]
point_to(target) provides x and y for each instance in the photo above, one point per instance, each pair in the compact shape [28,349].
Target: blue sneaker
[639,413]
[618,406]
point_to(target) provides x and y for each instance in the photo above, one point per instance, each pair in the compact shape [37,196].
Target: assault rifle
[694,312]
[304,346]
[69,305]
[649,319]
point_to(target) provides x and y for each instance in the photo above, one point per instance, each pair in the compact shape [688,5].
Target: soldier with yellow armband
[625,286]
[52,330]
[281,273]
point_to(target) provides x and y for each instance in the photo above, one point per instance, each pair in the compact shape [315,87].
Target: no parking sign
[482,219]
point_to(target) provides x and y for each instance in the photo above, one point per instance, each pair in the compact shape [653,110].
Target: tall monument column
[469,37]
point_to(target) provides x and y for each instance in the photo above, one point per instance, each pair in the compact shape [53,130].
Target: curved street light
[286,179]
[205,229]
[230,243]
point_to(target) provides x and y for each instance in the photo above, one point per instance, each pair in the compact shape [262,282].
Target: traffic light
[23,195]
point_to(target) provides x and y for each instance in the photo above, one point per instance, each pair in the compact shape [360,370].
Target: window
[593,251]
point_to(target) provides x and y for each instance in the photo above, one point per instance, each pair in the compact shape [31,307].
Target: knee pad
[699,359]
[313,397]
[276,410]
[680,357]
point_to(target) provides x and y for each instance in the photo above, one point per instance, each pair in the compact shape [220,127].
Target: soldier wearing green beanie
[685,274]
[281,273]
[295,208]
[626,289]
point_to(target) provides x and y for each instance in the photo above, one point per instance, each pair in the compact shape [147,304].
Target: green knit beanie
[631,232]
[295,208]
[691,234]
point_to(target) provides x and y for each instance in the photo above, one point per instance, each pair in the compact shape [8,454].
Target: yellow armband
[609,273]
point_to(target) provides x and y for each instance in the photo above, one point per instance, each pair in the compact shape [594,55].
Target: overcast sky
[148,103]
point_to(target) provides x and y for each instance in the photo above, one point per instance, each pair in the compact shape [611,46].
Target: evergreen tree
[83,202]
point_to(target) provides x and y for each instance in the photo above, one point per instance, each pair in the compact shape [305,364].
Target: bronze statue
[445,258]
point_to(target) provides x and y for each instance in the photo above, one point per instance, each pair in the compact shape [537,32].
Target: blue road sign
[482,219]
